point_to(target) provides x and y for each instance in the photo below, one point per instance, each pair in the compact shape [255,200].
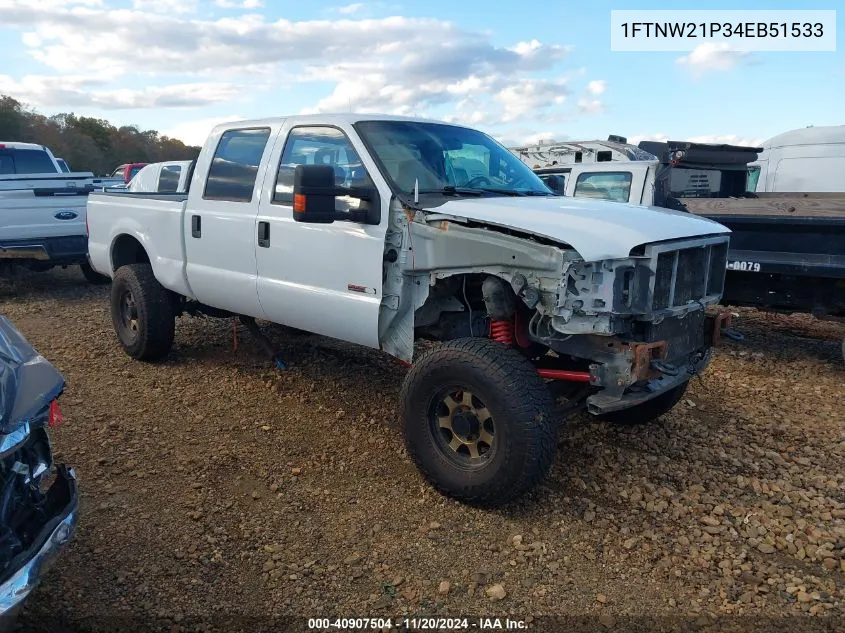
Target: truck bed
[787,250]
[781,205]
[144,214]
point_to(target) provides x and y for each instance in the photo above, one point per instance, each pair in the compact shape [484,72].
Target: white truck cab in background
[382,230]
[165,177]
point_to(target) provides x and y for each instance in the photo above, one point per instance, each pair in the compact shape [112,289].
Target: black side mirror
[314,193]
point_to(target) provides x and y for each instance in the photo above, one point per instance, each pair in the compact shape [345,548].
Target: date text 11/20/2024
[416,624]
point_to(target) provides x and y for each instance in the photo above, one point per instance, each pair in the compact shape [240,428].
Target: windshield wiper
[451,190]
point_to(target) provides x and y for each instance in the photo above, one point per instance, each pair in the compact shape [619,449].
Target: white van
[810,159]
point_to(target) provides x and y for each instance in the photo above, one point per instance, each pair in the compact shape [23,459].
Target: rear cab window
[168,179]
[610,185]
[234,167]
[25,161]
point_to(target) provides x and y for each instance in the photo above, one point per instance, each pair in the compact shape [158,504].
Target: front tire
[649,410]
[142,313]
[478,421]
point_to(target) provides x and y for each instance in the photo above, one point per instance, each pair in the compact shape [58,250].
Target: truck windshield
[446,159]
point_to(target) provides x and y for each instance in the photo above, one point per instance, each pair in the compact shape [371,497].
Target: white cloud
[591,106]
[711,56]
[597,87]
[195,131]
[349,9]
[530,96]
[81,90]
[168,7]
[390,64]
[239,4]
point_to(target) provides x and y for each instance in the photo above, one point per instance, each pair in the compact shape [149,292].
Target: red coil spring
[502,331]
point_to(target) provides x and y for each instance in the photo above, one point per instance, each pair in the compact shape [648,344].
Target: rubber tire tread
[156,321]
[649,410]
[521,400]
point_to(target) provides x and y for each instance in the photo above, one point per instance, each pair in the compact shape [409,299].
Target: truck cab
[383,231]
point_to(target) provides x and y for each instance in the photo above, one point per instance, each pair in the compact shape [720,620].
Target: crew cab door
[322,278]
[219,220]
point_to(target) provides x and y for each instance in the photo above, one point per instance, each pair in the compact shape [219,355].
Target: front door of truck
[322,278]
[219,222]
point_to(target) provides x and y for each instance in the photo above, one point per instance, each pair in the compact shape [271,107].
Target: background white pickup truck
[381,230]
[42,210]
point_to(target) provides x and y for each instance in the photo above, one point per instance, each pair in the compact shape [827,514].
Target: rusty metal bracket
[644,354]
[719,321]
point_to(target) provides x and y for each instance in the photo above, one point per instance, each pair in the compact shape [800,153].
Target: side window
[610,185]
[235,165]
[168,179]
[321,145]
[118,173]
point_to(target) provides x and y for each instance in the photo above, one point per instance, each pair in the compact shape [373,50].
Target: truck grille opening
[693,273]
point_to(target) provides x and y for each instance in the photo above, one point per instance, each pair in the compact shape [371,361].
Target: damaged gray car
[38,500]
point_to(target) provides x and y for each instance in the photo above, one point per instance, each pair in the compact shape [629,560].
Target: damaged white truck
[383,230]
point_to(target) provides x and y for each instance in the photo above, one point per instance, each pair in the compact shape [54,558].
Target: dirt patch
[219,493]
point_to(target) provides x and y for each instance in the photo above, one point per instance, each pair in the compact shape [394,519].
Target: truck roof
[17,145]
[808,136]
[321,119]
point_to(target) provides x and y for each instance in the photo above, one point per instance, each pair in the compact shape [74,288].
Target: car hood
[597,229]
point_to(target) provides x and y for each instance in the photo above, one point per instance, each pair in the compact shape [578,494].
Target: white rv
[810,159]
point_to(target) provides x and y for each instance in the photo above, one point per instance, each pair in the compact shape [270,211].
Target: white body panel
[305,274]
[155,223]
[805,160]
[595,228]
[23,215]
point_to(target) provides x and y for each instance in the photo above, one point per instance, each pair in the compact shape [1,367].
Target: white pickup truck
[380,230]
[42,211]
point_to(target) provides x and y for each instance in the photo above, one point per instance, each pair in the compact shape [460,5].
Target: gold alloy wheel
[464,427]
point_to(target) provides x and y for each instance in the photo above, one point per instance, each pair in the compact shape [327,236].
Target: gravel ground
[220,494]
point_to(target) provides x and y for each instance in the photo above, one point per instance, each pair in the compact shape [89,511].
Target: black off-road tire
[155,324]
[518,401]
[92,276]
[649,410]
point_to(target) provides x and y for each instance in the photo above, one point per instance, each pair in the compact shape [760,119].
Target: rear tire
[92,276]
[142,313]
[649,410]
[478,421]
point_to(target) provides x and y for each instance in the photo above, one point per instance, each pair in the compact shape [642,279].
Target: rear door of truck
[220,218]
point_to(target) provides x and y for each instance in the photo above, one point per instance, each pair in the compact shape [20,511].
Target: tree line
[86,143]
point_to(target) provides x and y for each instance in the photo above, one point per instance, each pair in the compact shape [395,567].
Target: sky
[527,71]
